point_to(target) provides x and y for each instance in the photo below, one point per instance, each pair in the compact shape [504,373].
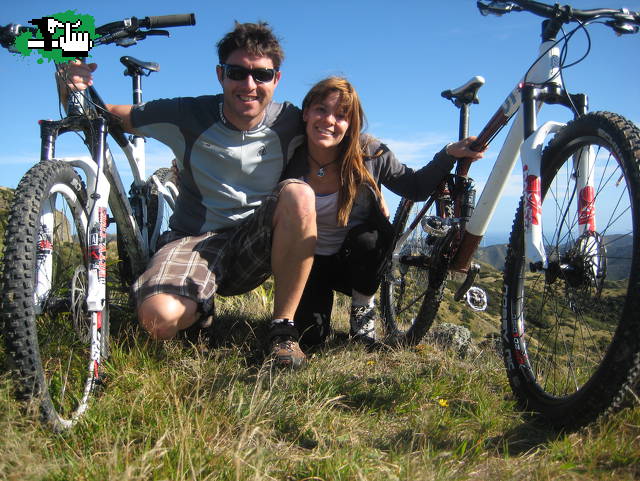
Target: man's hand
[462,150]
[76,75]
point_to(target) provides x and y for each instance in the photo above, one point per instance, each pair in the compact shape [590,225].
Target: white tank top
[330,236]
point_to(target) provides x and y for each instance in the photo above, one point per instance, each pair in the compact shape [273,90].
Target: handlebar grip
[178,20]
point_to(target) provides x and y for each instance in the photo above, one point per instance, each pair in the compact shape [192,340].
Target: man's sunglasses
[260,75]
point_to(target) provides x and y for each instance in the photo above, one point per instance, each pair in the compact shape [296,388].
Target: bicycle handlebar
[124,32]
[623,21]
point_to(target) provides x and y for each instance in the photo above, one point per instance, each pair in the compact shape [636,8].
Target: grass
[178,411]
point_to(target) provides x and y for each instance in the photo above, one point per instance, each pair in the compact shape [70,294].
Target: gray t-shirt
[224,173]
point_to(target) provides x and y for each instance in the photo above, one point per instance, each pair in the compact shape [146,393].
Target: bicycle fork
[582,175]
[94,222]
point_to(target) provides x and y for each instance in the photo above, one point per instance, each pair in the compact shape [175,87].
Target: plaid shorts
[230,262]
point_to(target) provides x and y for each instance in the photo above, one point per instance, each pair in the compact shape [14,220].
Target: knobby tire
[572,339]
[47,338]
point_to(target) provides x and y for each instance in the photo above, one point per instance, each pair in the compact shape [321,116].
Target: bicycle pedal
[476,298]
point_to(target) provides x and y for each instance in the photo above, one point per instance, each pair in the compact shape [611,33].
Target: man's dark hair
[256,38]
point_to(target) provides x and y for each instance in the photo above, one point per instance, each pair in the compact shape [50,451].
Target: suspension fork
[98,188]
[94,226]
[531,155]
[583,166]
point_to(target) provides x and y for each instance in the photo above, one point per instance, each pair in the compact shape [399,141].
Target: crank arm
[472,273]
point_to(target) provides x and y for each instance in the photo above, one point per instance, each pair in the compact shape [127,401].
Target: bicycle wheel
[47,328]
[160,207]
[413,283]
[572,334]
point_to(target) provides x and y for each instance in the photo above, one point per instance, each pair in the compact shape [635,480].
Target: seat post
[463,130]
[136,85]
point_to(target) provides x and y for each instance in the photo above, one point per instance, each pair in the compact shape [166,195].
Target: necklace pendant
[320,172]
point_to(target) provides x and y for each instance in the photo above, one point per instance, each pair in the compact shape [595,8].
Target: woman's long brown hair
[352,148]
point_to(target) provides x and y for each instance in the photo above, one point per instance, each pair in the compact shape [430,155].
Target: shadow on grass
[526,437]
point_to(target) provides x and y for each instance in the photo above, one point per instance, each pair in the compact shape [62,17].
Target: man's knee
[297,201]
[163,315]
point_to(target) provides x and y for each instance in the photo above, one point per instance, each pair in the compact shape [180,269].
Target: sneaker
[285,350]
[362,322]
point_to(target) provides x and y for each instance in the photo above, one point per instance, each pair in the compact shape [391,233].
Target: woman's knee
[363,240]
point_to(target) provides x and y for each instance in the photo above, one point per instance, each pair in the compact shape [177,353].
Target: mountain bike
[57,260]
[570,308]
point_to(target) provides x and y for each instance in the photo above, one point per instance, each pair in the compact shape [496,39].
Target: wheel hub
[584,265]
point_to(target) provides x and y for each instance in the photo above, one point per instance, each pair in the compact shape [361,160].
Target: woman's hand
[462,150]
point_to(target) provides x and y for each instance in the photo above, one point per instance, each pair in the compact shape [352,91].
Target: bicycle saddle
[465,94]
[135,66]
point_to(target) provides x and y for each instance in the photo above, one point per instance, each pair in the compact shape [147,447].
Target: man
[233,224]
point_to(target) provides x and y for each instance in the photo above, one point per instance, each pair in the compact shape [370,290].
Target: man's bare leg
[294,236]
[292,249]
[293,246]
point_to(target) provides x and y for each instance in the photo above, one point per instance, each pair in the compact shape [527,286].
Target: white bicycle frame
[530,150]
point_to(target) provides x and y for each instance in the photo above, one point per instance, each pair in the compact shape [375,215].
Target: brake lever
[497,8]
[620,27]
[128,41]
[164,33]
[140,35]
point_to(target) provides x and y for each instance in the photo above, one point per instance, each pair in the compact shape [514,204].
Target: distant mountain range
[617,264]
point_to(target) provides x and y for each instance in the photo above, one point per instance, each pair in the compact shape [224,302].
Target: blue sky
[399,55]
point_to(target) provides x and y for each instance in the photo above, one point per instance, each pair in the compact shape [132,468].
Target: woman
[345,169]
